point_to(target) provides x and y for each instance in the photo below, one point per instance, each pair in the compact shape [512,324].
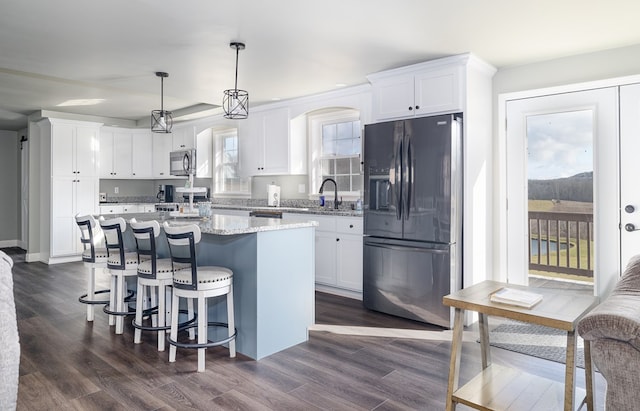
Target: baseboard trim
[9,243]
[68,259]
[32,257]
[339,291]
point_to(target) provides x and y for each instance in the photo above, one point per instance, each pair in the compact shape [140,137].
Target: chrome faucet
[335,185]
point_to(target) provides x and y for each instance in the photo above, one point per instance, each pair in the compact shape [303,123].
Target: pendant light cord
[162,96]
[237,53]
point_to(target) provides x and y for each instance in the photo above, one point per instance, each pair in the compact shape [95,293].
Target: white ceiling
[54,51]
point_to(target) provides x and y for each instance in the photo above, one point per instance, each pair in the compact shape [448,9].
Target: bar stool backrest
[182,247]
[113,230]
[145,233]
[89,236]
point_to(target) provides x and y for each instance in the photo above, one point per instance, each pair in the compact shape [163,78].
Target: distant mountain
[575,188]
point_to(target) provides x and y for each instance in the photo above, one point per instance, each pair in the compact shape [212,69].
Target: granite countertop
[299,210]
[221,224]
[344,211]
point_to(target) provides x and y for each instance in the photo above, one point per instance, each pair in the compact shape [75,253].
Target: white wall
[10,184]
[572,70]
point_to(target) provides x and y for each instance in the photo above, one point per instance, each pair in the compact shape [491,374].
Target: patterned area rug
[535,340]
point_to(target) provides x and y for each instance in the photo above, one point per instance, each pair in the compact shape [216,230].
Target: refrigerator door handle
[398,177]
[406,248]
[409,179]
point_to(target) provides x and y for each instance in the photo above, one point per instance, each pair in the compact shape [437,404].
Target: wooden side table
[502,388]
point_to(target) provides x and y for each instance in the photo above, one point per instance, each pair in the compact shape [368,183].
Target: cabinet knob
[417,107]
[337,239]
[410,108]
[350,225]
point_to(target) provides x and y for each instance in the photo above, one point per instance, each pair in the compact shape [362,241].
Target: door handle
[629,208]
[630,227]
[398,179]
[407,248]
[409,178]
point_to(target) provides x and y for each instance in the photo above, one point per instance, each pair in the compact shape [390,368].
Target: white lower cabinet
[338,250]
[131,208]
[326,252]
[70,196]
[111,209]
[127,208]
[349,253]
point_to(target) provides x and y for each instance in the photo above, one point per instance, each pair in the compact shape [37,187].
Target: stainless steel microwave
[182,162]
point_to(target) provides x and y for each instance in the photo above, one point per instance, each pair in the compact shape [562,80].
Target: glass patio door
[562,188]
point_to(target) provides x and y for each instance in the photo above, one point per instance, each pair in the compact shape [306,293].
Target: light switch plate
[116,190]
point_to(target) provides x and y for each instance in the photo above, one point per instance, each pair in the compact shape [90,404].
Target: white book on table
[517,297]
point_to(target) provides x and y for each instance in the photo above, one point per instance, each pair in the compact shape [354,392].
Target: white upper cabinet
[125,153]
[162,146]
[423,89]
[73,149]
[266,144]
[183,138]
[142,154]
[115,154]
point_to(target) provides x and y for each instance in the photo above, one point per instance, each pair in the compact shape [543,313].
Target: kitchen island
[273,263]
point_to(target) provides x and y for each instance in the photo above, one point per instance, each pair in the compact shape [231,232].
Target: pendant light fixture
[236,102]
[161,120]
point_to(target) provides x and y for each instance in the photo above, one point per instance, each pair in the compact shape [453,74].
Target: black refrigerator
[412,216]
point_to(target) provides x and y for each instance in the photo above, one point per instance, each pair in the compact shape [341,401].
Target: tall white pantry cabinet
[74,183]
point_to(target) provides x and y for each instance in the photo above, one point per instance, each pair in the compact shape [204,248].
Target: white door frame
[24,195]
[501,239]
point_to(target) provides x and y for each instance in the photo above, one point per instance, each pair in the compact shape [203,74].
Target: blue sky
[559,144]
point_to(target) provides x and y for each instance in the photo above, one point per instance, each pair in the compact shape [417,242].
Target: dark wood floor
[68,363]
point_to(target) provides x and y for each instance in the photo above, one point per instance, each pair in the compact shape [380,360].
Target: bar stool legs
[197,282]
[203,326]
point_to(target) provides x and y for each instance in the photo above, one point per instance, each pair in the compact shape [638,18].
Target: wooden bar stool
[121,264]
[94,258]
[155,275]
[197,283]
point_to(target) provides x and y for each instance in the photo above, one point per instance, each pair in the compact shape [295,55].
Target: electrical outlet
[116,190]
[301,188]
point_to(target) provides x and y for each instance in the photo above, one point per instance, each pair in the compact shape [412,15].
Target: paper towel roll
[273,195]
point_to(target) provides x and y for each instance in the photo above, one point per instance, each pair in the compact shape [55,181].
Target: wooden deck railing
[572,234]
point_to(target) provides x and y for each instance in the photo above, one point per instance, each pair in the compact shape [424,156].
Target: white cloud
[560,144]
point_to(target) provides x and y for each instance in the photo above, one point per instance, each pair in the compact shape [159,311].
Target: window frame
[218,136]
[316,121]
